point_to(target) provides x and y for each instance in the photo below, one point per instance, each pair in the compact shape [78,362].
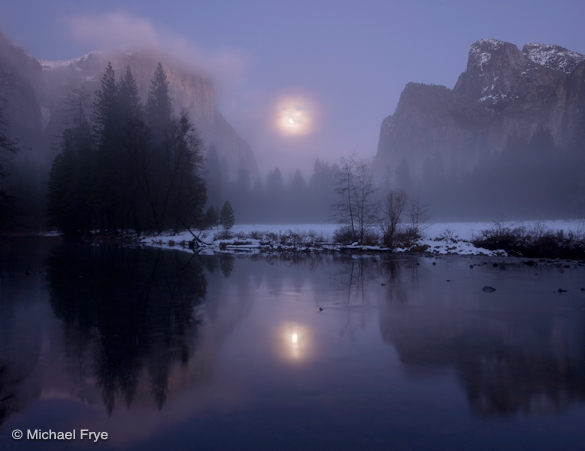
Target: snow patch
[553,56]
[58,64]
[440,238]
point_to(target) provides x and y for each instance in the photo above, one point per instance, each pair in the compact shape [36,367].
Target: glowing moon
[294,116]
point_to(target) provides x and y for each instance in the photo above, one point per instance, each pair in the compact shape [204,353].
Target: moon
[294,116]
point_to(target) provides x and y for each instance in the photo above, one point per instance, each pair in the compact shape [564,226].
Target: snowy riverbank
[452,238]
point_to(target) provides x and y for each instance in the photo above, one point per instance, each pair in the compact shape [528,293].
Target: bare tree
[356,207]
[417,216]
[344,206]
[366,207]
[394,205]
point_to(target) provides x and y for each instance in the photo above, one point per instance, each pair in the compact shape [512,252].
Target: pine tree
[214,176]
[133,142]
[211,217]
[138,170]
[157,182]
[71,190]
[106,129]
[159,106]
[186,194]
[226,216]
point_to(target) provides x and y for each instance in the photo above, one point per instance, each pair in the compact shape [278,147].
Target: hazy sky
[349,60]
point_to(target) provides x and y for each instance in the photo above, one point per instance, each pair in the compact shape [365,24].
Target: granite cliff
[36,94]
[507,99]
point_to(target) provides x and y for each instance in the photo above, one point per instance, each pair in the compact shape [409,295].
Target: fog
[281,96]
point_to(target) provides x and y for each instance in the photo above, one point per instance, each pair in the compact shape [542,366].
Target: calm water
[167,350]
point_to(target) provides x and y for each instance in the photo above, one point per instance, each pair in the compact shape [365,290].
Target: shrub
[371,238]
[272,237]
[537,243]
[222,235]
[449,236]
[406,237]
[344,235]
[256,235]
[291,239]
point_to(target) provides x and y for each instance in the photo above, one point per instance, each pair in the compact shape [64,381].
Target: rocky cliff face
[20,76]
[190,92]
[504,94]
[36,94]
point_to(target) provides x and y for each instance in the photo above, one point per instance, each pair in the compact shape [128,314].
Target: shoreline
[436,239]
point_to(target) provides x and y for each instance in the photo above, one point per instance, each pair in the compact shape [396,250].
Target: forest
[129,165]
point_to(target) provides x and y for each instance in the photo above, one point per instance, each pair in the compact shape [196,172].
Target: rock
[37,89]
[488,289]
[505,99]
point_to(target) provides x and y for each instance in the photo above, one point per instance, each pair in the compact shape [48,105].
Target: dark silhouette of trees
[129,313]
[7,146]
[72,193]
[134,167]
[211,217]
[215,177]
[226,216]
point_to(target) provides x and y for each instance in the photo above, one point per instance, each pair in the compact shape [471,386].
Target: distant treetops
[129,166]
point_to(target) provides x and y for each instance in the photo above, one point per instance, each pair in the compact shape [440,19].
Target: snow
[553,56]
[481,51]
[491,44]
[57,64]
[439,238]
[325,230]
[493,98]
[467,230]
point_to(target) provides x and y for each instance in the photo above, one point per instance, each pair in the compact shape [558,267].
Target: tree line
[7,147]
[278,197]
[127,165]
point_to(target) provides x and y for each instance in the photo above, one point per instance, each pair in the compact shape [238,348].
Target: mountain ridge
[505,99]
[51,83]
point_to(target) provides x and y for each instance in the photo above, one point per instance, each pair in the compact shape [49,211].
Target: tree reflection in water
[126,311]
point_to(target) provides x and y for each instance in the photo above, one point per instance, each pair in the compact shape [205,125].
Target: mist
[441,142]
[265,225]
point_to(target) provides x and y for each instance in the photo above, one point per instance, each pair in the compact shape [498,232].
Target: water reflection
[520,351]
[127,315]
[21,275]
[294,342]
[149,344]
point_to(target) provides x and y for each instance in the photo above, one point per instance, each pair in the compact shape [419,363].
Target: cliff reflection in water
[128,316]
[217,341]
[521,351]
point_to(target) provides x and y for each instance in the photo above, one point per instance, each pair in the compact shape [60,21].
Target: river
[170,350]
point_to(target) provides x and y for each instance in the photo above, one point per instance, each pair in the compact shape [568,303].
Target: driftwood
[197,242]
